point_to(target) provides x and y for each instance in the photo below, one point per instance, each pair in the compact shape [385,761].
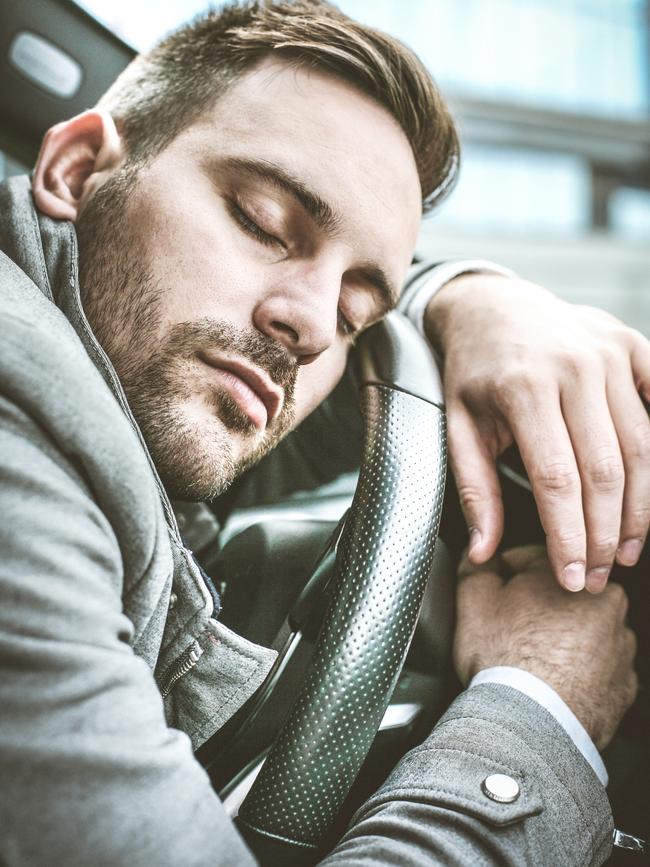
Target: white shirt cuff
[416,297]
[545,695]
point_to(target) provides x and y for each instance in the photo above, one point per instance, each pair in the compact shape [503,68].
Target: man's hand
[577,644]
[563,382]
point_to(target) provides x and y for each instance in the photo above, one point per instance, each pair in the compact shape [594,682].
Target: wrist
[578,702]
[455,299]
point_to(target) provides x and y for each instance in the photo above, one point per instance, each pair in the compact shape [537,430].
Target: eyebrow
[318,209]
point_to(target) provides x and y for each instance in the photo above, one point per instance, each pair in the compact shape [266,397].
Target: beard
[162,376]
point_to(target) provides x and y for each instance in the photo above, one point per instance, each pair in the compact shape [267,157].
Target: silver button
[173,599]
[501,788]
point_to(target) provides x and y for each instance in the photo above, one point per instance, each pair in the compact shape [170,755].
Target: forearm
[432,809]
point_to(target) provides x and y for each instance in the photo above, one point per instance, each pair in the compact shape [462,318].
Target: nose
[300,312]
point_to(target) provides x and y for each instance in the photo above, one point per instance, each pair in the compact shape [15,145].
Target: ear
[73,153]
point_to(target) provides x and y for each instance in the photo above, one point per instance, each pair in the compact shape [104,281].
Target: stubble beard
[123,302]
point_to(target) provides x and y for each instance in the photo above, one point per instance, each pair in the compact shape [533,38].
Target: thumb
[477,482]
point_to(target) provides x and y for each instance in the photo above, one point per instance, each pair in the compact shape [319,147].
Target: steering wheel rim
[383,563]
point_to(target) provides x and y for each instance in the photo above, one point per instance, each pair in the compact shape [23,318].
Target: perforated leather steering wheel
[383,562]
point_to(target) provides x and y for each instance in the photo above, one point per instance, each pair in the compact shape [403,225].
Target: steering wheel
[383,561]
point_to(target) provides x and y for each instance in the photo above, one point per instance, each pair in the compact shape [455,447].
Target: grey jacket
[113,668]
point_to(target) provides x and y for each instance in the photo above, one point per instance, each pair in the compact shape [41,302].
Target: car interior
[306,554]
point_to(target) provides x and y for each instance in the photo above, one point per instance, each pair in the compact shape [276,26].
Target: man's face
[226,278]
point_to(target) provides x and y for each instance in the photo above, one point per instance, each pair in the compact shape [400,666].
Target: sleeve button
[501,788]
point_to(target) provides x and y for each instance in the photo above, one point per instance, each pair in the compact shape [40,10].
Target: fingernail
[597,578]
[629,551]
[474,540]
[573,577]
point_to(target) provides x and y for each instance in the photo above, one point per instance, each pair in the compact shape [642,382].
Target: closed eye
[252,228]
[344,324]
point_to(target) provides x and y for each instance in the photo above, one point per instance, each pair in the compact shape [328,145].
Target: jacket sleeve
[432,809]
[90,772]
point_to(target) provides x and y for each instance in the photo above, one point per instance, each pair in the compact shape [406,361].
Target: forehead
[338,141]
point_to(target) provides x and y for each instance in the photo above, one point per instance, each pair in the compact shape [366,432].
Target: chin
[202,468]
[197,478]
[195,462]
[197,455]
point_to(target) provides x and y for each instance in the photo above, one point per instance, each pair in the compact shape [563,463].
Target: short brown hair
[164,90]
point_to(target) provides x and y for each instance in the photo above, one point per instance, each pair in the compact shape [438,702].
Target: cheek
[318,379]
[193,252]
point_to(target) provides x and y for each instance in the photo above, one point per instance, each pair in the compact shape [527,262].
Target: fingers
[588,417]
[548,455]
[633,430]
[588,461]
[477,483]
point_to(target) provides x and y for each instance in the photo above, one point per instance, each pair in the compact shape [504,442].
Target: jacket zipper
[185,662]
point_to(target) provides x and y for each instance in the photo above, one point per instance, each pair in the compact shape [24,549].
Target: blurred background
[553,102]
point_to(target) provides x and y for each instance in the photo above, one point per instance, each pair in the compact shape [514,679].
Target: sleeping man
[181,282]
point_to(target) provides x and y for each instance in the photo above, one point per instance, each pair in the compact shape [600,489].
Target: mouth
[250,387]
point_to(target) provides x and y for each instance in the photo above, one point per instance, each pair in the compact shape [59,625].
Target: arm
[434,808]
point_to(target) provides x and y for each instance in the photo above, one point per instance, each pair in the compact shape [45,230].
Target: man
[245,200]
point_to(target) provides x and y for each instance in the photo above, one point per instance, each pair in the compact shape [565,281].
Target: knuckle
[616,592]
[632,643]
[556,477]
[471,495]
[580,362]
[517,381]
[634,336]
[603,547]
[570,539]
[637,519]
[472,386]
[624,607]
[616,596]
[632,687]
[605,472]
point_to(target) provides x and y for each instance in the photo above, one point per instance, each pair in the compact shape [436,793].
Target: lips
[250,387]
